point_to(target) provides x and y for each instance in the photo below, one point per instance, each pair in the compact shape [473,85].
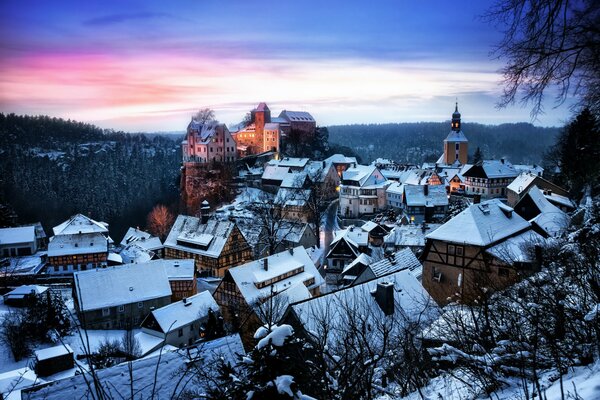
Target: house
[341,163]
[410,236]
[181,274]
[324,177]
[489,178]
[293,204]
[546,218]
[19,241]
[141,240]
[24,295]
[78,244]
[485,247]
[215,245]
[178,324]
[120,297]
[175,379]
[250,285]
[392,301]
[208,142]
[296,234]
[363,269]
[362,191]
[395,196]
[425,203]
[524,181]
[393,262]
[52,360]
[453,178]
[375,233]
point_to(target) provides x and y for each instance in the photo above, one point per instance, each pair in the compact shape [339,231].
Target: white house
[362,191]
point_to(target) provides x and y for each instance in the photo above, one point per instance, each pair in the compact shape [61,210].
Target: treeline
[52,169]
[422,141]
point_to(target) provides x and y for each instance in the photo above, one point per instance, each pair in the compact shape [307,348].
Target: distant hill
[422,141]
[52,169]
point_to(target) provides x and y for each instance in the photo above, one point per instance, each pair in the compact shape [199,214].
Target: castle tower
[456,144]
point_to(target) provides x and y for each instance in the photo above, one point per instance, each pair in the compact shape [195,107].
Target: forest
[521,143]
[52,169]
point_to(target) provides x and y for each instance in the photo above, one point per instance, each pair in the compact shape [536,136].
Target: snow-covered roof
[521,183]
[395,188]
[481,224]
[142,239]
[341,159]
[292,231]
[409,235]
[135,254]
[551,218]
[184,312]
[115,258]
[79,223]
[22,234]
[189,232]
[455,136]
[53,352]
[271,126]
[25,290]
[533,169]
[275,173]
[253,280]
[492,169]
[415,195]
[205,131]
[175,377]
[292,197]
[416,176]
[26,265]
[362,175]
[410,299]
[179,269]
[294,180]
[400,260]
[557,199]
[353,235]
[126,284]
[362,259]
[516,248]
[85,243]
[296,116]
[293,162]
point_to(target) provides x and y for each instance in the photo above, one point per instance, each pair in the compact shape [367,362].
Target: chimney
[477,199]
[549,192]
[384,296]
[204,212]
[426,190]
[502,160]
[266,264]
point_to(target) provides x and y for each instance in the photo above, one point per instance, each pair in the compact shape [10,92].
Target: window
[450,249]
[105,312]
[121,308]
[457,147]
[140,305]
[459,250]
[180,332]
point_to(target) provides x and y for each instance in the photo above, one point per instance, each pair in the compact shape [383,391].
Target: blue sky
[147,65]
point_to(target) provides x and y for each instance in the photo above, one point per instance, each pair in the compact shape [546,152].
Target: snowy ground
[237,208]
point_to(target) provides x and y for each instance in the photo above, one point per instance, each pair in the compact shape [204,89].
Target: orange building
[456,144]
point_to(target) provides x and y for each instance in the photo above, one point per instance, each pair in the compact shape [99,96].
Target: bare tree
[204,115]
[160,220]
[549,43]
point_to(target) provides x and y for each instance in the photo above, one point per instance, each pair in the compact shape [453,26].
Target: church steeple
[456,119]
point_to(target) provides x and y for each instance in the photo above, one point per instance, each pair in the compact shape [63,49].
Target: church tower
[456,144]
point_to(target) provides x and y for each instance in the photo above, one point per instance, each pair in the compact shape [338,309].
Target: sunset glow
[149,70]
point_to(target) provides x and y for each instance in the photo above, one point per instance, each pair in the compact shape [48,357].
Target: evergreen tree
[478,156]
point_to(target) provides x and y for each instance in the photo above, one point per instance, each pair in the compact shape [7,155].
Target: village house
[119,297]
[78,244]
[250,285]
[178,324]
[341,163]
[487,245]
[408,235]
[143,240]
[489,178]
[359,272]
[397,297]
[362,191]
[546,218]
[215,245]
[425,203]
[24,295]
[52,360]
[395,196]
[526,180]
[19,241]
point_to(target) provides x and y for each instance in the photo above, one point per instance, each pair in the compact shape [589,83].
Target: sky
[148,65]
